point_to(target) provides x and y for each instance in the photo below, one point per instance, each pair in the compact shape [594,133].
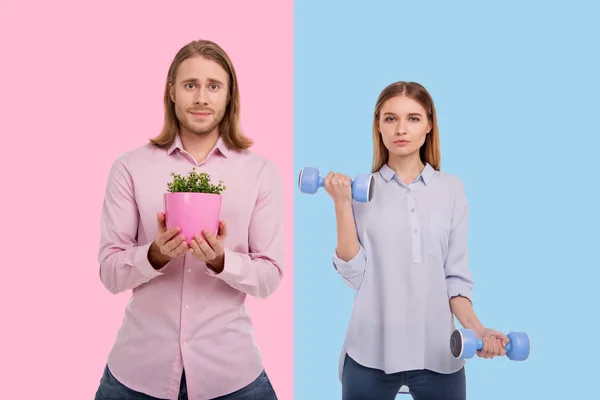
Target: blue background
[516,89]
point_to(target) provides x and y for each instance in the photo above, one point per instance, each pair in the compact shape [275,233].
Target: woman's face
[403,125]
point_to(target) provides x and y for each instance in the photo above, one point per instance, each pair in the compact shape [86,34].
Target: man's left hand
[210,249]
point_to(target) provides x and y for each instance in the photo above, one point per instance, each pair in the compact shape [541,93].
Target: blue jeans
[362,383]
[111,389]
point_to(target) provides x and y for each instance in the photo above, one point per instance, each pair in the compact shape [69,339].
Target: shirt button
[407,190]
[185,342]
[416,231]
[189,271]
[187,307]
[412,210]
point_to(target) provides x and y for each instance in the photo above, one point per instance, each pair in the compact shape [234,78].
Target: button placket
[415,227]
[184,332]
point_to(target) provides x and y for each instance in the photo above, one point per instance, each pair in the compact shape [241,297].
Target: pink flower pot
[193,212]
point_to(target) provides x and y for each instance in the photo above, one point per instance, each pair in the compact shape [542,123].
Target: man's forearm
[156,259]
[462,308]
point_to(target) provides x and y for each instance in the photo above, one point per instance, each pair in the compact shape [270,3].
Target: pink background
[81,84]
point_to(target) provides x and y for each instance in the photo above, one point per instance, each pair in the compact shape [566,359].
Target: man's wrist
[155,258]
[217,265]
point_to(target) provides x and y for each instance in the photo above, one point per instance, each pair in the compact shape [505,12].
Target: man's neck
[199,145]
[407,168]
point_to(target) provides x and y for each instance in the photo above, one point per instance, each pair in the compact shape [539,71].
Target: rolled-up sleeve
[353,270]
[458,275]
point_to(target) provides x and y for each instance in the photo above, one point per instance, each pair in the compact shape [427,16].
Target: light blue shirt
[412,259]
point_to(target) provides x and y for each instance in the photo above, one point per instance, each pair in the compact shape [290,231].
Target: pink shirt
[185,315]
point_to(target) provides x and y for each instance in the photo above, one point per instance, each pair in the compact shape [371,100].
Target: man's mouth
[200,113]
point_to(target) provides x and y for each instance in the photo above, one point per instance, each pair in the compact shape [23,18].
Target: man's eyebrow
[211,80]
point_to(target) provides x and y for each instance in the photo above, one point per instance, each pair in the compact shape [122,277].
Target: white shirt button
[189,271]
[187,307]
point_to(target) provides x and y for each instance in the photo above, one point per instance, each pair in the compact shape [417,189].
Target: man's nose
[201,97]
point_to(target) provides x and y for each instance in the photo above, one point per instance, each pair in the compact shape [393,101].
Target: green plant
[194,183]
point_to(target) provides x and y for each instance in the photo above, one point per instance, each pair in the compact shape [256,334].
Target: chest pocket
[439,235]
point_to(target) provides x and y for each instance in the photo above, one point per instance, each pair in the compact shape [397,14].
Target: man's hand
[166,246]
[210,250]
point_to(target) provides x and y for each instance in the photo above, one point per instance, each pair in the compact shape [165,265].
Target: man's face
[200,93]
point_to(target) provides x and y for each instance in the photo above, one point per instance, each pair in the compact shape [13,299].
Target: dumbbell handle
[321,181]
[480,345]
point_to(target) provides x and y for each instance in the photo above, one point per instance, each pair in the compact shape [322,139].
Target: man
[186,332]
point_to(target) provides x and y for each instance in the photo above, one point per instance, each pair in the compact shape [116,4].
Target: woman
[405,252]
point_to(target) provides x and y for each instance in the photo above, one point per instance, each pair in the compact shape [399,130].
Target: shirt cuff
[357,263]
[466,293]
[142,264]
[232,267]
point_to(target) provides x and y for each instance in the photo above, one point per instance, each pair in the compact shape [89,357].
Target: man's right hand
[339,187]
[167,246]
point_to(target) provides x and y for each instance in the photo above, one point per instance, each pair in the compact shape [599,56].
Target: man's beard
[195,129]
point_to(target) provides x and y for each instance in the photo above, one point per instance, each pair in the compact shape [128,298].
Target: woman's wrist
[342,204]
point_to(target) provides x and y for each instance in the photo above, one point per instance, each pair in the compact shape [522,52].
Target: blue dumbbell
[309,182]
[464,344]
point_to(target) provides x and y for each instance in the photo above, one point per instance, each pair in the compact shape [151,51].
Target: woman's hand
[339,187]
[493,342]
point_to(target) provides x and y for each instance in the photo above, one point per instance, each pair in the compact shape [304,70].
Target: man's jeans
[111,389]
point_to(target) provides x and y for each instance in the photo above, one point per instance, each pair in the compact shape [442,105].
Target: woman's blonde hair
[229,128]
[430,151]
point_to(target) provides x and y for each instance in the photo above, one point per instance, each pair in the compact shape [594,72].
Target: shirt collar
[175,145]
[220,145]
[387,173]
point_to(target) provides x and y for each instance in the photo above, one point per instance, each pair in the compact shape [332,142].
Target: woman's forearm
[347,241]
[462,308]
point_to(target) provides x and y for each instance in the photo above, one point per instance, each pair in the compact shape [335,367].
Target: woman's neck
[408,168]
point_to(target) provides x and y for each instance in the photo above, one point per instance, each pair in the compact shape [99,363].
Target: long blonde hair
[430,151]
[229,127]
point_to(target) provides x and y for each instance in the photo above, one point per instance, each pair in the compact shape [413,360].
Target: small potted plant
[193,204]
